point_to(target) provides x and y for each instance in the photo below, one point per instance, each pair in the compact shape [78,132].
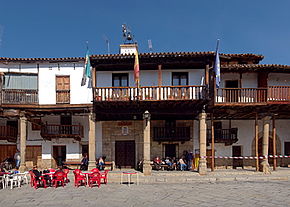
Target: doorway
[170,150]
[233,93]
[59,155]
[237,152]
[125,154]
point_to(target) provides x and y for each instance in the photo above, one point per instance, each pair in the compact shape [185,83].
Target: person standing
[84,162]
[17,159]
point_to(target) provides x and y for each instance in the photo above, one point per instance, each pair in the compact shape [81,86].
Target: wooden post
[256,142]
[212,143]
[159,80]
[274,143]
[206,81]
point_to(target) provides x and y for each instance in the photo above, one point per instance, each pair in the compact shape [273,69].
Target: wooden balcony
[227,136]
[152,93]
[272,94]
[63,96]
[50,131]
[171,134]
[19,96]
[8,133]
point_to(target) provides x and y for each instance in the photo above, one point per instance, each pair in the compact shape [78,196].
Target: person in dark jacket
[84,162]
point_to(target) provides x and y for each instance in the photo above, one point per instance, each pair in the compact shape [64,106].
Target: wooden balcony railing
[19,96]
[227,136]
[171,133]
[279,94]
[49,131]
[63,96]
[153,93]
[241,95]
[253,95]
[8,133]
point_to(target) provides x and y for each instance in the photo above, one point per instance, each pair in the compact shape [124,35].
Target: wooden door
[32,152]
[125,154]
[7,151]
[287,148]
[59,155]
[66,122]
[237,152]
[62,89]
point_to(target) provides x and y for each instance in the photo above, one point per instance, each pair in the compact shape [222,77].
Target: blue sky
[35,28]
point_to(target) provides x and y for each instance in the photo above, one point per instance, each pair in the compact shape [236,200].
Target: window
[62,89]
[120,80]
[180,79]
[232,83]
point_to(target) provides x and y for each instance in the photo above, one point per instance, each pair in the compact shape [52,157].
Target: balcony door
[65,122]
[62,89]
[233,93]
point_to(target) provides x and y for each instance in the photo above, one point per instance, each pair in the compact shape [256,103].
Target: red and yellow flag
[136,69]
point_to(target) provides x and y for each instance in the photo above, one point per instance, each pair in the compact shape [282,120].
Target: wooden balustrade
[62,96]
[8,133]
[253,95]
[19,96]
[171,133]
[279,94]
[227,136]
[49,131]
[153,93]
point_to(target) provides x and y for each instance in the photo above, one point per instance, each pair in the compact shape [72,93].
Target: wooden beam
[212,143]
[274,143]
[256,142]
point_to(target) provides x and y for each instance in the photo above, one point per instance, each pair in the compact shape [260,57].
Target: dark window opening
[180,79]
[120,80]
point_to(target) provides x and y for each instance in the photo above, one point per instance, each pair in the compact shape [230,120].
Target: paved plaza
[232,193]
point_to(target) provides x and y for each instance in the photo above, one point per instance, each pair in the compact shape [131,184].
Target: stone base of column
[92,165]
[22,168]
[45,164]
[147,169]
[265,167]
[202,168]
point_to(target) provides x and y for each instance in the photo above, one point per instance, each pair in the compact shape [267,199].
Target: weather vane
[127,35]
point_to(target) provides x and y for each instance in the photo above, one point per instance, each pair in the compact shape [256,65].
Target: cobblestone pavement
[256,193]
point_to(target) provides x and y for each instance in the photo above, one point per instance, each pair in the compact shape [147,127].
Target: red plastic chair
[51,170]
[37,182]
[94,178]
[95,170]
[79,178]
[58,177]
[104,176]
[66,171]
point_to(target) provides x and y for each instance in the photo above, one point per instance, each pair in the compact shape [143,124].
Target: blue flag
[87,71]
[217,66]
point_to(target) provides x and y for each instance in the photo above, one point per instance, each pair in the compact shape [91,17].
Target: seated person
[157,163]
[46,177]
[101,164]
[59,169]
[36,172]
[84,162]
[182,164]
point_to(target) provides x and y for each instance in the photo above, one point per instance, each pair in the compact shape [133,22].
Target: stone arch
[260,136]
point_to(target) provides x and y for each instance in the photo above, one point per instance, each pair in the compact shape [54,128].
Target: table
[87,176]
[129,177]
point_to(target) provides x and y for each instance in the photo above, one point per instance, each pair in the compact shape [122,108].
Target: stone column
[202,143]
[265,150]
[23,134]
[99,139]
[92,142]
[146,147]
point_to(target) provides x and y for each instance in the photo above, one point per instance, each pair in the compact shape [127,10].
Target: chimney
[128,48]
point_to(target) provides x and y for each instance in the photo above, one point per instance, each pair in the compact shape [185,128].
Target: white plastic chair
[2,180]
[14,180]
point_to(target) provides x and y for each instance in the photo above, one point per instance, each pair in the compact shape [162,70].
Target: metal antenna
[107,42]
[150,46]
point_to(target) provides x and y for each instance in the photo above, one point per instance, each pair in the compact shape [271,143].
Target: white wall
[47,88]
[19,68]
[150,78]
